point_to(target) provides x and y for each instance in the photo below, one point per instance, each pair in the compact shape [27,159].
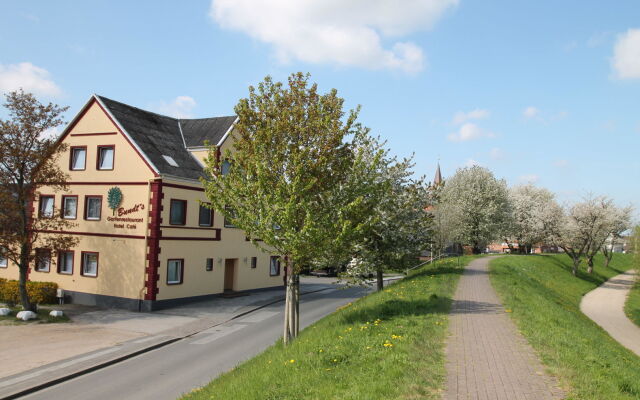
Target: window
[209,266]
[178,212]
[174,272]
[89,263]
[43,260]
[224,169]
[227,220]
[254,262]
[78,161]
[274,266]
[105,157]
[92,207]
[69,207]
[206,215]
[3,258]
[65,262]
[46,206]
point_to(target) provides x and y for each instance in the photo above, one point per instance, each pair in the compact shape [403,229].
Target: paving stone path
[605,306]
[487,358]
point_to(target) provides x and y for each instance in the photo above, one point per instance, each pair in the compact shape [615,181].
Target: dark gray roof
[158,135]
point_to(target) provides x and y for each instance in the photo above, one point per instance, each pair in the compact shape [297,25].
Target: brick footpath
[487,358]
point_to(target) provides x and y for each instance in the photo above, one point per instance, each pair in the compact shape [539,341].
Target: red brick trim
[94,134]
[111,235]
[153,241]
[174,185]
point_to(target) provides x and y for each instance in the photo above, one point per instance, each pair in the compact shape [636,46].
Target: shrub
[39,292]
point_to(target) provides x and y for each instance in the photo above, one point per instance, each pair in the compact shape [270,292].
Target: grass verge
[632,306]
[387,345]
[43,318]
[545,299]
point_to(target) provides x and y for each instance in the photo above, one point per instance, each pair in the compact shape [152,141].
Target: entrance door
[229,273]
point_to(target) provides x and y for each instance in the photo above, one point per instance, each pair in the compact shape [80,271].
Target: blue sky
[540,91]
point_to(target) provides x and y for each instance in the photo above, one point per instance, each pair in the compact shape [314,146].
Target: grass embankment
[387,345]
[632,307]
[545,299]
[43,318]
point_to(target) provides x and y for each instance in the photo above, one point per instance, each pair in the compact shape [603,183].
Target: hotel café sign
[123,217]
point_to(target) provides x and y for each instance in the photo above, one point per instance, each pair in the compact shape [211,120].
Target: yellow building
[145,240]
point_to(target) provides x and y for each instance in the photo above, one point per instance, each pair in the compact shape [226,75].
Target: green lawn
[632,307]
[545,299]
[43,318]
[387,345]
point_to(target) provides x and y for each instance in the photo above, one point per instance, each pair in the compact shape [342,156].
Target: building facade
[145,238]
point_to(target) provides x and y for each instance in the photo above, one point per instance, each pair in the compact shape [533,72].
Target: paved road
[487,358]
[177,368]
[605,306]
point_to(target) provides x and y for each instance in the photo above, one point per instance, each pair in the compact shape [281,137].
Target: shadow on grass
[595,278]
[394,308]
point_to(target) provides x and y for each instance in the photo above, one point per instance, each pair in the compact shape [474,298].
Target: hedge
[39,292]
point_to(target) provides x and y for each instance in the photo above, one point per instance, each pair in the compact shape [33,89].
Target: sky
[544,92]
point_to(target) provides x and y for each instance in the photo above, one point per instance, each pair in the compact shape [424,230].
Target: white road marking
[258,316]
[218,332]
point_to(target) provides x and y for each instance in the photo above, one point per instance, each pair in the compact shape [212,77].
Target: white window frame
[100,159]
[64,207]
[87,208]
[72,165]
[180,263]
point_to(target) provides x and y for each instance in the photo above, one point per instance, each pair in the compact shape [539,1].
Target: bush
[39,292]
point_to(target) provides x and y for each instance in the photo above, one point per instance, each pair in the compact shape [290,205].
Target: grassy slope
[545,299]
[387,345]
[632,307]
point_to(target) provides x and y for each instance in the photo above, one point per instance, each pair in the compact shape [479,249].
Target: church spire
[438,178]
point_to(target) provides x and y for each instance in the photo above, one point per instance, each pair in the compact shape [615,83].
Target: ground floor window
[175,271]
[43,260]
[254,262]
[65,262]
[89,263]
[3,258]
[274,266]
[209,266]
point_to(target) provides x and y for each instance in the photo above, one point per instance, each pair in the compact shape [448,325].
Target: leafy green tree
[29,159]
[401,227]
[291,177]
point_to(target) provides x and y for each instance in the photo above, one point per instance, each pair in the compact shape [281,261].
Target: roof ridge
[137,108]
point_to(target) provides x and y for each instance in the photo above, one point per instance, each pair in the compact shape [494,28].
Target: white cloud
[180,107]
[469,131]
[51,133]
[561,163]
[334,31]
[28,77]
[496,154]
[461,117]
[530,178]
[530,112]
[626,55]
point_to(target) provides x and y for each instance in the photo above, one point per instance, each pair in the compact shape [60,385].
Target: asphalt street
[170,371]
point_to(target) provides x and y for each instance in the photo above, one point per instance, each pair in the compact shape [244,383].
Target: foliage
[535,216]
[39,292]
[400,227]
[292,180]
[477,205]
[545,301]
[344,356]
[29,160]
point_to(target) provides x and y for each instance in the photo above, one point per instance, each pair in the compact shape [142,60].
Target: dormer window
[78,160]
[105,157]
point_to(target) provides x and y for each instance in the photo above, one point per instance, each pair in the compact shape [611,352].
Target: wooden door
[229,271]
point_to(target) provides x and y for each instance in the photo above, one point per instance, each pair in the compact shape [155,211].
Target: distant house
[147,240]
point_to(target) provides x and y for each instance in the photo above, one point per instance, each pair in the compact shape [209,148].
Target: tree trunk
[291,304]
[297,306]
[286,338]
[22,283]
[608,255]
[590,265]
[576,263]
[379,279]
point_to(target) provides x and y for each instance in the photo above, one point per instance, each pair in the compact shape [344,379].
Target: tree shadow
[394,308]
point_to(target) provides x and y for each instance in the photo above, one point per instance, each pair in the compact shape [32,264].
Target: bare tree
[29,160]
